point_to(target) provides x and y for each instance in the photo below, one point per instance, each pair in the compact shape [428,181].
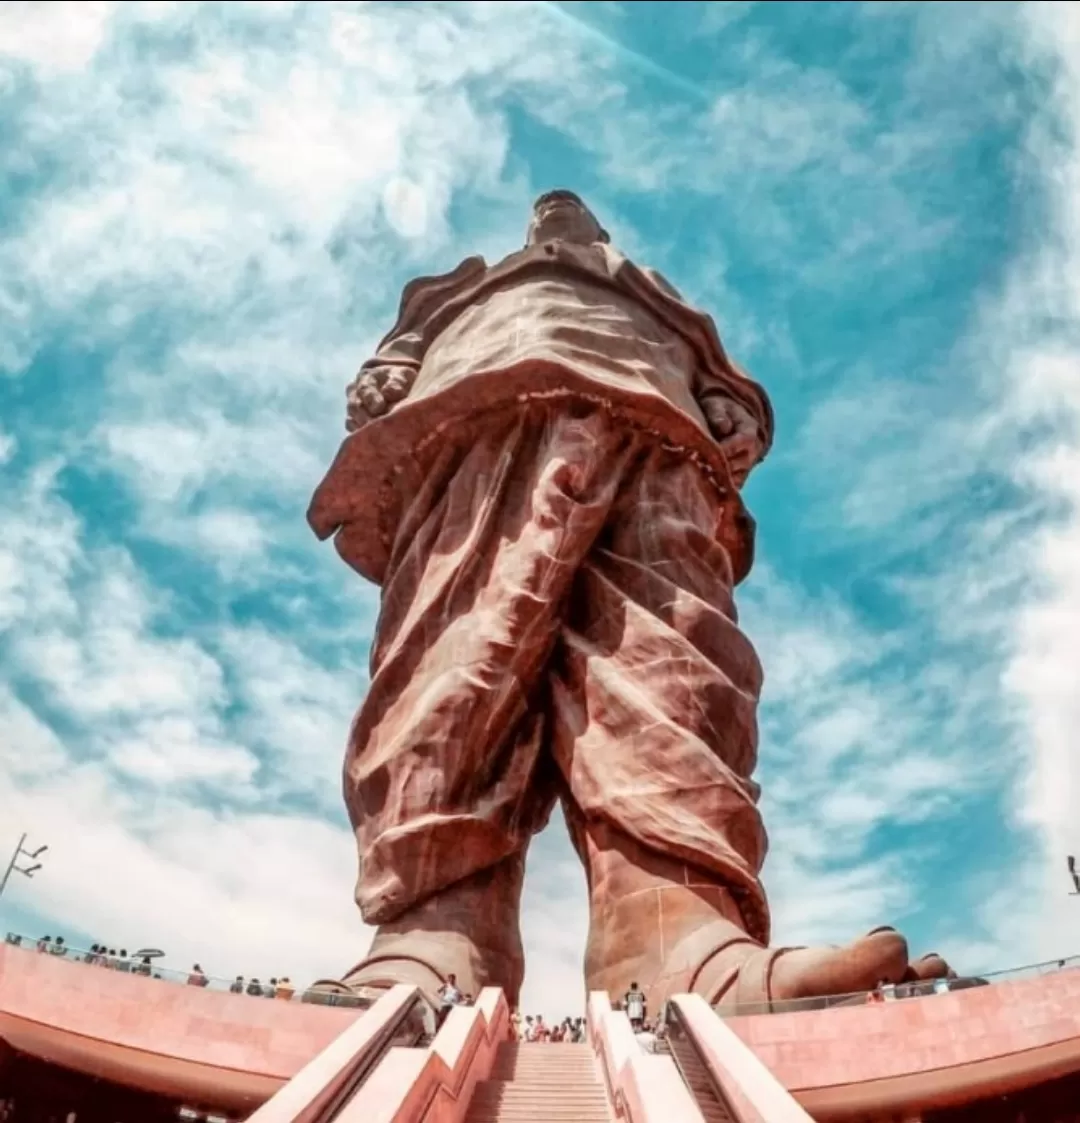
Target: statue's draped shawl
[377,467]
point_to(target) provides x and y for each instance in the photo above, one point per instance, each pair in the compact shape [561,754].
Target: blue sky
[207,212]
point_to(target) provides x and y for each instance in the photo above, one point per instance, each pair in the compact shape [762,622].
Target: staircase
[697,1080]
[538,1083]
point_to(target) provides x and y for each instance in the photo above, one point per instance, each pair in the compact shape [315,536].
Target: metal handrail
[410,1026]
[414,1026]
[679,1042]
[902,991]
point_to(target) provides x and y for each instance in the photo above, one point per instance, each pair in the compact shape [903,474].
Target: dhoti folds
[557,622]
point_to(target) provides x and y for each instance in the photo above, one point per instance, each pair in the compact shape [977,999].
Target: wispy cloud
[208,212]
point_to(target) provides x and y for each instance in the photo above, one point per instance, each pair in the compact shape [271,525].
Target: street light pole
[13,867]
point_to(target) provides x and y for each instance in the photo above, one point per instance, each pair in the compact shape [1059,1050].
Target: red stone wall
[1057,1101]
[40,1092]
[943,1049]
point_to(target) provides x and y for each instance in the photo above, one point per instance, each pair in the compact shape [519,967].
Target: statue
[543,475]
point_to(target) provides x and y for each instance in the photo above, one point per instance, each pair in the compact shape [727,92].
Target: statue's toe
[880,956]
[929,966]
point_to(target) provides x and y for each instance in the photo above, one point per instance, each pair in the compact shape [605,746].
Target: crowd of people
[530,1028]
[100,955]
[533,1029]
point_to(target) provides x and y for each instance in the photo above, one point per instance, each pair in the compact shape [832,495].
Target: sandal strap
[748,983]
[730,975]
[754,984]
[366,973]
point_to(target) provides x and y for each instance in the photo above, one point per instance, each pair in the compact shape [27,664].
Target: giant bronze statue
[543,474]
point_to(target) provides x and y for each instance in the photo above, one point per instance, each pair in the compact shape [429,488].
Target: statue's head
[561,215]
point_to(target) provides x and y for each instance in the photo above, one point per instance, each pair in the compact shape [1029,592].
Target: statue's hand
[737,432]
[373,392]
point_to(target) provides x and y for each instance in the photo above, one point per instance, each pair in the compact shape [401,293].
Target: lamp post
[14,867]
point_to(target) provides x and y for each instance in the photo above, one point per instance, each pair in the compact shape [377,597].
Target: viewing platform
[243,1057]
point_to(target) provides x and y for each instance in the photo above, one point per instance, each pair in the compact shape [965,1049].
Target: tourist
[541,1033]
[634,1003]
[270,990]
[285,990]
[514,1025]
[237,986]
[197,978]
[143,966]
[883,992]
[254,988]
[122,961]
[58,947]
[449,997]
[43,943]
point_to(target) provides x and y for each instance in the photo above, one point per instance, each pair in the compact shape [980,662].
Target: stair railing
[329,1081]
[640,1088]
[744,1090]
[436,1083]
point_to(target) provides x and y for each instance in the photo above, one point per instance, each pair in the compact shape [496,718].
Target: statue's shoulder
[662,283]
[423,293]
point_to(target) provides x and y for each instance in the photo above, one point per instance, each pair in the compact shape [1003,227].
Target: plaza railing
[134,966]
[904,991]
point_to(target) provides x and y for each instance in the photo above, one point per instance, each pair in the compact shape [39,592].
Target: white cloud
[1001,605]
[1031,329]
[240,892]
[267,203]
[298,711]
[242,888]
[55,37]
[1041,312]
[231,237]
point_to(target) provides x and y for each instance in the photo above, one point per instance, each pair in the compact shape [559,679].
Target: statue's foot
[741,975]
[370,979]
[448,937]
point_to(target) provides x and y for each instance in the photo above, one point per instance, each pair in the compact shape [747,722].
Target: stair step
[506,1087]
[539,1111]
[537,1083]
[587,1076]
[546,1101]
[566,1064]
[585,1065]
[538,1114]
[531,1095]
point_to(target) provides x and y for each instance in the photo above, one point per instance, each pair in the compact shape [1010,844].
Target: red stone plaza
[101,1046]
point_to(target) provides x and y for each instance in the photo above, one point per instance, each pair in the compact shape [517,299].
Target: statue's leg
[654,727]
[655,694]
[447,777]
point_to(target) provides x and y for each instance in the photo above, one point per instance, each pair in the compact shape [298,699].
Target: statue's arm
[387,377]
[740,418]
[736,407]
[383,380]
